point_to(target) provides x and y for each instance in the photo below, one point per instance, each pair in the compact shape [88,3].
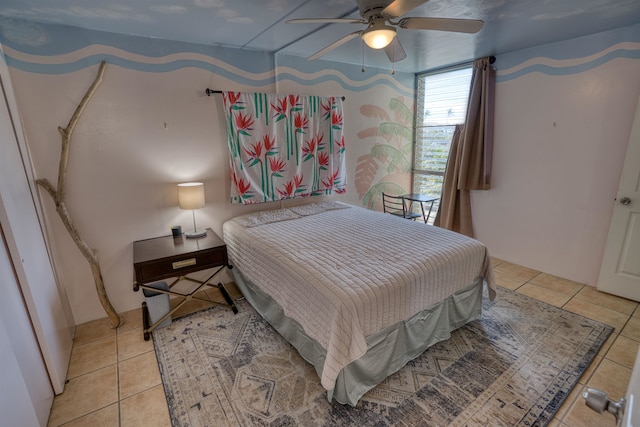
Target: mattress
[344,273]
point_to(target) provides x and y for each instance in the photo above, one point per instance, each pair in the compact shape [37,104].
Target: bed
[358,293]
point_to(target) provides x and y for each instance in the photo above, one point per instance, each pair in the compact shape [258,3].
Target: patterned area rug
[513,367]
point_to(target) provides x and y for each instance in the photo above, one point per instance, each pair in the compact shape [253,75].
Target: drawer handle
[185,263]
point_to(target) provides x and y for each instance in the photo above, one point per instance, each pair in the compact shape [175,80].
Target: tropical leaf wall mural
[387,166]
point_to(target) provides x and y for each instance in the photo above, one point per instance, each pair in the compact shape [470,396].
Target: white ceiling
[260,24]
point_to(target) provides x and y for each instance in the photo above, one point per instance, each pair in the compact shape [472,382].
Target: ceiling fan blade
[395,52]
[401,7]
[442,24]
[327,21]
[334,45]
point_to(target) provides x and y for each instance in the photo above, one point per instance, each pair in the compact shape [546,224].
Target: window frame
[418,118]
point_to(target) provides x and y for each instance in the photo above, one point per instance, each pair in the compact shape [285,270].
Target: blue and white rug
[513,367]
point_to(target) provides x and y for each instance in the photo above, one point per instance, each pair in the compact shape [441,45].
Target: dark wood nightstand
[175,257]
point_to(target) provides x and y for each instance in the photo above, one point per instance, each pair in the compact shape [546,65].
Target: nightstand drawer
[180,265]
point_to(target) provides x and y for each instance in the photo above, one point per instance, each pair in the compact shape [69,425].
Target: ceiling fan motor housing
[371,8]
[374,15]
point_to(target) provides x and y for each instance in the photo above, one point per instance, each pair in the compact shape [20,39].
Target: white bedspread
[345,272]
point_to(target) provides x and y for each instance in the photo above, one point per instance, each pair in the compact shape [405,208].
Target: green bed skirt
[388,350]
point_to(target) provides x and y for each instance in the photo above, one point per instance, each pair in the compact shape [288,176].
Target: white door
[26,247]
[620,270]
[25,389]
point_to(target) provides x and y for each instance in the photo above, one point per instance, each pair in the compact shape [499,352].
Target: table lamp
[191,197]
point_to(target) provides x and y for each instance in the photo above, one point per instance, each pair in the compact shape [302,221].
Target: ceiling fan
[380,33]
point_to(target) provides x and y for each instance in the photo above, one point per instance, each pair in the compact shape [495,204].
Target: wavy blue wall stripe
[93,60]
[50,40]
[570,51]
[53,40]
[580,47]
[353,88]
[353,72]
[401,82]
[569,69]
[60,40]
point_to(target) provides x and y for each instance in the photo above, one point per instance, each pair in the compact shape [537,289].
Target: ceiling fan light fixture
[378,35]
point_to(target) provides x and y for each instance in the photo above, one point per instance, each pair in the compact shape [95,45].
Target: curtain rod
[210,91]
[492,60]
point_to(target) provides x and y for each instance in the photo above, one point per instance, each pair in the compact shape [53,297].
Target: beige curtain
[469,163]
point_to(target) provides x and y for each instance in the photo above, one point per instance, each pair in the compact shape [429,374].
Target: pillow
[266,217]
[315,208]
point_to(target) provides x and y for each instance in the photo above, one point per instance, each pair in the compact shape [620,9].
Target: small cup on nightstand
[176,231]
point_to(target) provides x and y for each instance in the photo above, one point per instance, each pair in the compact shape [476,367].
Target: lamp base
[195,234]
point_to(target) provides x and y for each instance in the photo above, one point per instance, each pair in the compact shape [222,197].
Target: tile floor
[113,377]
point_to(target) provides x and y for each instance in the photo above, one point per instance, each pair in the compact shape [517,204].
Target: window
[440,105]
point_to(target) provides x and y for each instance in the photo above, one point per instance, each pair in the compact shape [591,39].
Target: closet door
[24,383]
[27,249]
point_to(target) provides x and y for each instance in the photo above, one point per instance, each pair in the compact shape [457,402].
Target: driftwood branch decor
[59,200]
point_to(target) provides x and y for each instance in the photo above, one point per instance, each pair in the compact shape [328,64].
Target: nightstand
[175,257]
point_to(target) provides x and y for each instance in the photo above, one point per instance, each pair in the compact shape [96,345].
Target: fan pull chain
[393,61]
[362,44]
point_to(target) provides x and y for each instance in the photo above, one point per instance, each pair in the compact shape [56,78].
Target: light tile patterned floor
[114,380]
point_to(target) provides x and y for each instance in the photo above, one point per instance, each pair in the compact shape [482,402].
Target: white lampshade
[191,195]
[378,35]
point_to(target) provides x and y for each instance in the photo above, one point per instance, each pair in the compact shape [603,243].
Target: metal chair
[395,205]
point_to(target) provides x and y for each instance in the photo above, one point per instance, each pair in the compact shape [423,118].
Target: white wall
[562,123]
[148,127]
[140,135]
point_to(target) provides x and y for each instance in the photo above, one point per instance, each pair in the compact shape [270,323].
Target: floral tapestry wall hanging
[284,146]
